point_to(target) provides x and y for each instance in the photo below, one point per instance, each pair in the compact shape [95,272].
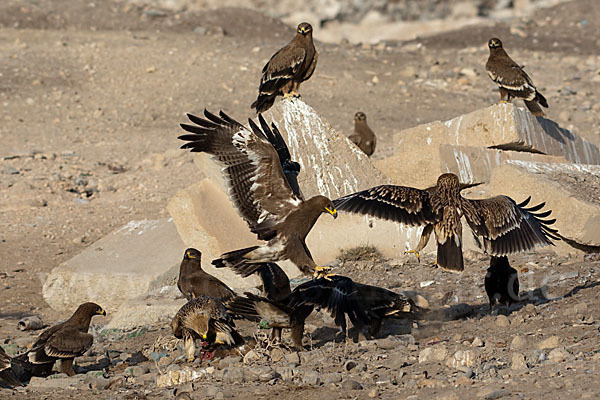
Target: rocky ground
[90,98]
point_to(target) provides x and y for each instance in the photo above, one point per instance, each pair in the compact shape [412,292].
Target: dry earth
[90,98]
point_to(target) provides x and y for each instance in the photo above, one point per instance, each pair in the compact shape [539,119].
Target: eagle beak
[332,212]
[102,312]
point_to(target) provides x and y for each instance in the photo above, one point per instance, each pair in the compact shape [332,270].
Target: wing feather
[396,203]
[507,227]
[256,184]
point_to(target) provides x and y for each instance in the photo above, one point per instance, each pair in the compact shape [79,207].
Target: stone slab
[118,267]
[502,126]
[471,164]
[145,312]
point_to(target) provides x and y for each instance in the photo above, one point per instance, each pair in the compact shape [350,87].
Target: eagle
[501,282]
[62,342]
[204,318]
[512,80]
[194,282]
[287,68]
[259,190]
[363,136]
[500,225]
[7,375]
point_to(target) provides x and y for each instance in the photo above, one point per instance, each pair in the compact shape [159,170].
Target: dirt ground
[91,95]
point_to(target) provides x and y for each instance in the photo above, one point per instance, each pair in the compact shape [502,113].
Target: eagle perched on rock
[500,224]
[363,136]
[512,80]
[290,66]
[259,190]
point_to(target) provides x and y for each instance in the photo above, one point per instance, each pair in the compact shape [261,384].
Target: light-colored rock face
[331,165]
[118,267]
[144,312]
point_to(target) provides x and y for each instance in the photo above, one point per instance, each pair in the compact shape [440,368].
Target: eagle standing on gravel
[290,66]
[501,282]
[259,190]
[512,80]
[194,282]
[363,136]
[204,318]
[503,225]
[63,342]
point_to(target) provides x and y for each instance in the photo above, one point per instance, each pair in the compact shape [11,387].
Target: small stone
[234,375]
[228,361]
[518,342]
[435,353]
[549,343]
[333,377]
[492,394]
[311,378]
[502,321]
[477,342]
[251,357]
[286,373]
[137,370]
[292,358]
[277,354]
[373,393]
[463,381]
[518,362]
[350,384]
[558,355]
[462,358]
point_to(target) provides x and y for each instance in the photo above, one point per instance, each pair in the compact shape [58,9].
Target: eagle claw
[416,253]
[322,273]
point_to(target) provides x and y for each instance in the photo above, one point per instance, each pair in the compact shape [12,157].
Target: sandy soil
[91,95]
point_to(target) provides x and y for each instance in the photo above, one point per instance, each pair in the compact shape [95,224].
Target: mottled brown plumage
[363,136]
[64,341]
[7,376]
[259,191]
[512,80]
[204,318]
[194,282]
[502,225]
[287,68]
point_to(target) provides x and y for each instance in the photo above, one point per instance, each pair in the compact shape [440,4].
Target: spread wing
[281,68]
[339,295]
[507,227]
[256,184]
[396,203]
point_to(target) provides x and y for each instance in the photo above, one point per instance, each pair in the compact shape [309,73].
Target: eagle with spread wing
[500,224]
[512,80]
[259,190]
[287,68]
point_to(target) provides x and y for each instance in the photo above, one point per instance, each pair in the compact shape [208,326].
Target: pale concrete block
[569,190]
[502,126]
[118,267]
[471,164]
[136,313]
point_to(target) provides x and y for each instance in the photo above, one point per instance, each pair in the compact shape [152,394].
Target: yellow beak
[332,212]
[204,336]
[102,312]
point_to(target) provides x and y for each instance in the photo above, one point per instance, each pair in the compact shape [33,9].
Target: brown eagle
[363,136]
[194,282]
[512,80]
[290,66]
[259,190]
[500,224]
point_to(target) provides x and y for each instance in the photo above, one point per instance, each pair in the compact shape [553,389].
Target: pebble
[311,378]
[234,375]
[350,384]
[502,321]
[137,370]
[251,356]
[373,393]
[549,343]
[477,342]
[435,353]
[292,358]
[332,377]
[558,355]
[462,358]
[518,342]
[518,362]
[276,354]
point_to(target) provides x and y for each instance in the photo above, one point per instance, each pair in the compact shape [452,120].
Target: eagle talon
[416,253]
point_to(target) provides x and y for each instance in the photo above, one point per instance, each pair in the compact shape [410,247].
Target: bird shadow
[553,130]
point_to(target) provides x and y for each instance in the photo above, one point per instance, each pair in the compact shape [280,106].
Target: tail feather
[541,99]
[263,102]
[449,255]
[234,259]
[8,377]
[534,108]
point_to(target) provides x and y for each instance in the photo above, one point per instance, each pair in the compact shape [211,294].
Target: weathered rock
[350,384]
[311,378]
[463,358]
[435,353]
[558,355]
[502,321]
[477,342]
[549,343]
[567,189]
[180,376]
[116,268]
[518,342]
[518,361]
[333,377]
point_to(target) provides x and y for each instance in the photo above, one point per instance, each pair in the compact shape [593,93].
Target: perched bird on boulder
[363,136]
[194,282]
